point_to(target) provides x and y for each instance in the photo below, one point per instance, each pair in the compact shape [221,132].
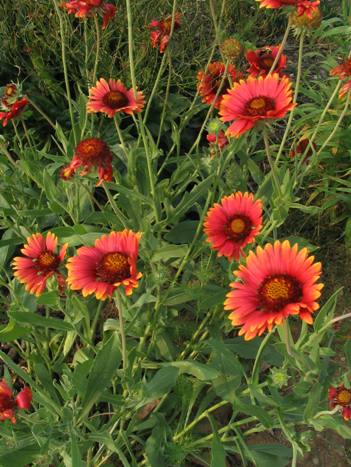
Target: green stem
[158,77]
[98,39]
[130,46]
[282,46]
[287,336]
[198,419]
[65,72]
[42,113]
[122,331]
[119,214]
[256,367]
[165,102]
[297,85]
[120,136]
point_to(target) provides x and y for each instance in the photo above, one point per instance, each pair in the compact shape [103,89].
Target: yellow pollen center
[115,262]
[277,289]
[46,259]
[258,103]
[237,226]
[344,396]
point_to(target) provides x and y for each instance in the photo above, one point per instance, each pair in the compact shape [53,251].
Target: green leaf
[105,365]
[169,251]
[313,401]
[327,311]
[162,382]
[218,457]
[20,456]
[189,199]
[182,233]
[12,331]
[268,455]
[26,317]
[75,452]
[347,350]
[199,370]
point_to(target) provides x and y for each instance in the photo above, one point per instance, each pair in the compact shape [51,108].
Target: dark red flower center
[260,105]
[238,228]
[7,402]
[47,261]
[266,60]
[218,84]
[279,290]
[114,267]
[343,397]
[115,99]
[90,149]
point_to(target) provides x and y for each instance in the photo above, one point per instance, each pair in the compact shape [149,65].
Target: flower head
[8,402]
[112,97]
[109,12]
[261,61]
[213,82]
[255,99]
[306,20]
[40,261]
[89,153]
[340,396]
[345,89]
[110,263]
[233,223]
[343,70]
[302,6]
[86,8]
[160,33]
[301,147]
[277,281]
[11,102]
[231,49]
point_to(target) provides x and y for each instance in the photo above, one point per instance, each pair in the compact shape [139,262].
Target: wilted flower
[254,100]
[111,263]
[85,8]
[261,61]
[305,20]
[340,396]
[40,261]
[8,402]
[219,139]
[343,71]
[214,82]
[277,281]
[233,223]
[300,148]
[12,103]
[231,49]
[90,153]
[112,97]
[161,31]
[302,6]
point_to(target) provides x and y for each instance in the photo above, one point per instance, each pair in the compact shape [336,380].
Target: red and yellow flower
[261,61]
[341,397]
[90,153]
[85,8]
[160,33]
[277,281]
[233,223]
[39,263]
[214,82]
[343,71]
[12,103]
[112,97]
[302,6]
[345,89]
[301,147]
[255,99]
[110,263]
[8,403]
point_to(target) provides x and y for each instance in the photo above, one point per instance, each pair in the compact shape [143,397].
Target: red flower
[161,31]
[89,153]
[233,223]
[343,70]
[81,8]
[39,262]
[248,102]
[111,263]
[341,397]
[8,403]
[109,11]
[345,89]
[276,282]
[213,81]
[302,6]
[112,97]
[13,110]
[220,140]
[261,61]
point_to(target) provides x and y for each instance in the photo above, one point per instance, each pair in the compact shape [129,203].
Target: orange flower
[8,402]
[343,70]
[248,102]
[162,30]
[112,97]
[233,223]
[111,263]
[39,262]
[276,282]
[261,61]
[89,153]
[341,397]
[302,6]
[214,81]
[345,89]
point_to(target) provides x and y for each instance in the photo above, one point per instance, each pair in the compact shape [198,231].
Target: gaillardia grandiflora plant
[172,180]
